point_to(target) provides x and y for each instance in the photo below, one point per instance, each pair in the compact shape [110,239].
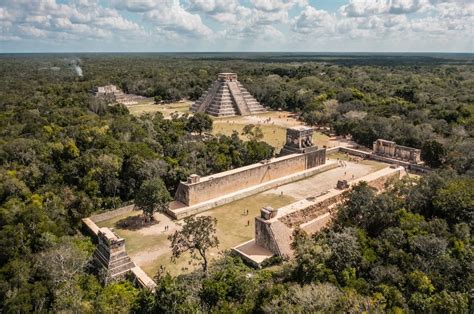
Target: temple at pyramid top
[227,97]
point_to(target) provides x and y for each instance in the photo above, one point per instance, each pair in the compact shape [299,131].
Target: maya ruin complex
[227,97]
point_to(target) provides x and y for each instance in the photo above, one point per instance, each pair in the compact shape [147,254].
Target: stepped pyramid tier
[110,255]
[227,97]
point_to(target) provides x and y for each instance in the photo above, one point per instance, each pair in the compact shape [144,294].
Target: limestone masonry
[392,150]
[110,255]
[112,93]
[197,190]
[274,227]
[227,97]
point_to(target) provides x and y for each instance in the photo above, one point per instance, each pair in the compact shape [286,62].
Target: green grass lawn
[166,109]
[272,134]
[232,229]
[376,165]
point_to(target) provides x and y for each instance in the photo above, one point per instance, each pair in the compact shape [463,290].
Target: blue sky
[237,25]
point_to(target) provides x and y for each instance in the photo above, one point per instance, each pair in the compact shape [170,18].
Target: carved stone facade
[227,97]
[392,150]
[113,93]
[298,140]
[110,255]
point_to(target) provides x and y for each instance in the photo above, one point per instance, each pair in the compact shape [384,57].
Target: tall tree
[433,153]
[199,122]
[196,237]
[151,197]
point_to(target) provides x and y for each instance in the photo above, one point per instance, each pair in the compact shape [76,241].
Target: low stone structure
[392,150]
[197,190]
[113,93]
[110,255]
[227,97]
[274,227]
[298,140]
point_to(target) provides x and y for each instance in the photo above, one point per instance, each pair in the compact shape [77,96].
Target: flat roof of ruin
[300,128]
[108,233]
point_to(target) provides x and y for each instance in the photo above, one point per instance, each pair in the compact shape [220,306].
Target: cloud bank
[236,25]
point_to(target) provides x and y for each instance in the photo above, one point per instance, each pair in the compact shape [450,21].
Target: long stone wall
[273,229]
[204,189]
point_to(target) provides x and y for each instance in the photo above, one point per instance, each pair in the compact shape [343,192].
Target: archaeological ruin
[392,150]
[202,193]
[113,93]
[274,227]
[227,97]
[110,255]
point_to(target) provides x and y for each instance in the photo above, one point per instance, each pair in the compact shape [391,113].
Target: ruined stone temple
[113,93]
[392,150]
[110,255]
[227,97]
[298,140]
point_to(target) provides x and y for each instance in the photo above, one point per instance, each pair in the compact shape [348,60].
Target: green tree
[253,132]
[152,196]
[196,237]
[455,201]
[433,153]
[199,122]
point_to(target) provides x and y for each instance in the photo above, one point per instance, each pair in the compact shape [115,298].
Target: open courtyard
[149,247]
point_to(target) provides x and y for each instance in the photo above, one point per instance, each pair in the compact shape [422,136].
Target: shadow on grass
[135,223]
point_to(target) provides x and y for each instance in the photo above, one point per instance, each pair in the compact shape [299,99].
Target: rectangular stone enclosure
[197,190]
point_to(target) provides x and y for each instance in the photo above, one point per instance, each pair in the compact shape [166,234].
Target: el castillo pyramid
[227,97]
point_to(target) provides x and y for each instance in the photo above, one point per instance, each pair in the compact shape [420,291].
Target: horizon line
[200,52]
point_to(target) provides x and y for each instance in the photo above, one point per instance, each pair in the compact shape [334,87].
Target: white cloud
[358,8]
[310,20]
[174,18]
[79,19]
[276,5]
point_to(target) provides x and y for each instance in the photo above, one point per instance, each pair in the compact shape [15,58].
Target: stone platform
[274,227]
[178,210]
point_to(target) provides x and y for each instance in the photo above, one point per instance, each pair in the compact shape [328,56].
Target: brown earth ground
[273,123]
[149,247]
[148,106]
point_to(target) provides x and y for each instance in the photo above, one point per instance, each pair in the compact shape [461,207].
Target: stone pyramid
[110,255]
[227,97]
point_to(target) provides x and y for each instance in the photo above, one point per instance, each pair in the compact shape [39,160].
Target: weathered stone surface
[298,140]
[227,97]
[273,229]
[392,150]
[195,191]
[113,93]
[110,255]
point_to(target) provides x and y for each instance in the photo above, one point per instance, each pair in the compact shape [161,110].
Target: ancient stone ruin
[244,181]
[113,94]
[298,140]
[227,97]
[274,227]
[392,150]
[110,255]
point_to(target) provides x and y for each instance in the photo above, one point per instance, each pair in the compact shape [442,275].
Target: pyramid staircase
[227,97]
[111,256]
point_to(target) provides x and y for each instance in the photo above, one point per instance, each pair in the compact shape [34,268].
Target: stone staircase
[205,100]
[227,97]
[282,237]
[222,104]
[110,255]
[238,98]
